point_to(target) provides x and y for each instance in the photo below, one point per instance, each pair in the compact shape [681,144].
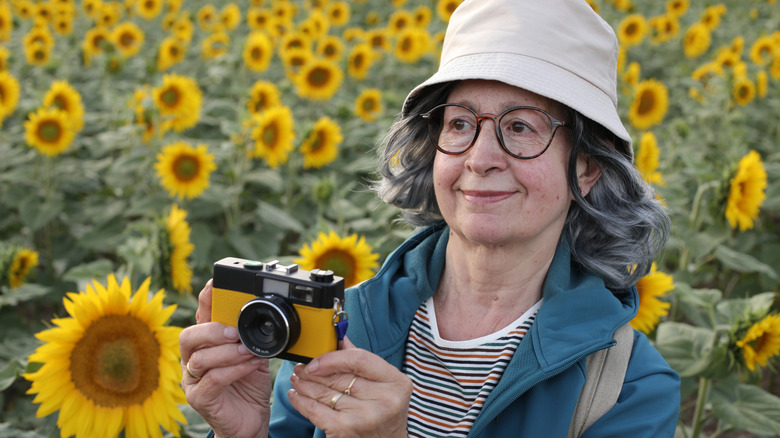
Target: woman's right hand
[228,386]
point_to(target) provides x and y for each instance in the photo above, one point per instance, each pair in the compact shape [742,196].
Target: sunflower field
[143,140]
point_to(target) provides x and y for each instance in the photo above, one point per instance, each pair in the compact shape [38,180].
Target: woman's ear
[588,172]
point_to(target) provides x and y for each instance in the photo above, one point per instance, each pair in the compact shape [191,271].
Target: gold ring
[335,400]
[189,372]
[348,391]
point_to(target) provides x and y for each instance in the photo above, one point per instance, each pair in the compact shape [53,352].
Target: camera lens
[268,326]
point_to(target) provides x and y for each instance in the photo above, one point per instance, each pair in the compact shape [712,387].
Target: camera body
[279,311]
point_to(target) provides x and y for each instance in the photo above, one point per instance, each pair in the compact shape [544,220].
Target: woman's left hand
[352,393]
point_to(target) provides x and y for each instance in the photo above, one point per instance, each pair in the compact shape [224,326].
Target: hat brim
[534,75]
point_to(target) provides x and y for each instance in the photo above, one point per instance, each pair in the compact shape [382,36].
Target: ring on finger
[189,372]
[335,399]
[348,391]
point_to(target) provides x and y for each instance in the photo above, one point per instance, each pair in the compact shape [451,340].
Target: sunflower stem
[695,219]
[701,401]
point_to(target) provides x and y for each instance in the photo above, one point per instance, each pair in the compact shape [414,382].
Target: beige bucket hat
[560,49]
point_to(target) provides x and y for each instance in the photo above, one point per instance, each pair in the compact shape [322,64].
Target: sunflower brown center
[646,102]
[318,140]
[49,131]
[260,102]
[406,45]
[270,134]
[339,261]
[115,363]
[171,96]
[368,104]
[632,29]
[127,40]
[318,77]
[186,167]
[256,53]
[358,60]
[60,102]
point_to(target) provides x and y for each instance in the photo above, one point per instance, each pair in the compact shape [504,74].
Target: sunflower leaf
[686,348]
[747,407]
[9,374]
[743,262]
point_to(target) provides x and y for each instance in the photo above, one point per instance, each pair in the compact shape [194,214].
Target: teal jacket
[539,389]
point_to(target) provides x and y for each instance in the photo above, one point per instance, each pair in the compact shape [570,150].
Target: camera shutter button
[322,276]
[256,266]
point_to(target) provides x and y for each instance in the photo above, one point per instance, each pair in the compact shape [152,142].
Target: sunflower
[359,61]
[127,38]
[743,91]
[632,30]
[651,101]
[379,40]
[108,15]
[321,147]
[91,7]
[318,79]
[262,96]
[651,288]
[763,50]
[207,17]
[762,83]
[258,51]
[445,8]
[774,69]
[632,74]
[6,22]
[183,28]
[664,28]
[350,257]
[184,170]
[330,47]
[4,55]
[215,45]
[259,19]
[62,95]
[178,247]
[9,94]
[315,26]
[23,261]
[179,99]
[761,342]
[399,20]
[697,40]
[48,131]
[711,16]
[338,13]
[95,40]
[273,134]
[412,44]
[746,193]
[422,16]
[172,51]
[368,104]
[37,54]
[230,16]
[62,24]
[647,159]
[149,9]
[111,365]
[294,59]
[678,8]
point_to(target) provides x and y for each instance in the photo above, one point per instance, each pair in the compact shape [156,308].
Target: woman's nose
[486,153]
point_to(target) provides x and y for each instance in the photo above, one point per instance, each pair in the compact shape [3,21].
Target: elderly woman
[534,227]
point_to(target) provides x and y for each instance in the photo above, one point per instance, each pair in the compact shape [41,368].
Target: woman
[534,227]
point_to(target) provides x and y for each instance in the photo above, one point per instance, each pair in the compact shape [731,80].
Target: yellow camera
[279,311]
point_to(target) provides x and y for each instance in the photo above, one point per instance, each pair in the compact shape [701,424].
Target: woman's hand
[352,393]
[228,386]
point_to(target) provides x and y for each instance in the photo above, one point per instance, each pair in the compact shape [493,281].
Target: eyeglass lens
[524,132]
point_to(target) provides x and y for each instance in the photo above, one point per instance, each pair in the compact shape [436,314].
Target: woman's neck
[483,289]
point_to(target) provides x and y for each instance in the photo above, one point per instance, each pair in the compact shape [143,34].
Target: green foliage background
[97,208]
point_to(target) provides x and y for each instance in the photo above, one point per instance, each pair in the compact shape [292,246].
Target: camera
[279,311]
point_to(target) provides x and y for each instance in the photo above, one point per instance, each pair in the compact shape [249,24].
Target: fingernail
[231,333]
[242,349]
[312,366]
[293,378]
[291,393]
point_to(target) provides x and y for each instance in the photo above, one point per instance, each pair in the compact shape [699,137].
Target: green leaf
[23,293]
[697,304]
[35,214]
[96,270]
[9,374]
[743,262]
[747,407]
[729,311]
[686,348]
[277,217]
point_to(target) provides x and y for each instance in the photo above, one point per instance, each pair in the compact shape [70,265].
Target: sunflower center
[632,29]
[368,105]
[318,140]
[270,133]
[186,167]
[319,77]
[49,131]
[260,102]
[256,53]
[339,261]
[171,96]
[127,40]
[358,61]
[115,363]
[39,53]
[61,103]
[646,102]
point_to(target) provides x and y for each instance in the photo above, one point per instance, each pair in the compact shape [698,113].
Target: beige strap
[606,370]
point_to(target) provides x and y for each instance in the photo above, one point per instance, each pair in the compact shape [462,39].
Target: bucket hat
[559,49]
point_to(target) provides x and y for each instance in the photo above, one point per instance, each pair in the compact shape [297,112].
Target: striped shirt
[452,379]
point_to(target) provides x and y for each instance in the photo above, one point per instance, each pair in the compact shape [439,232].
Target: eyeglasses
[524,132]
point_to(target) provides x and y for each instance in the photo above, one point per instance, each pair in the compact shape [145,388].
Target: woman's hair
[615,231]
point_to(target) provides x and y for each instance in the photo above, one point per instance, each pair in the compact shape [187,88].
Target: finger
[353,361]
[212,385]
[346,344]
[204,303]
[337,382]
[320,414]
[220,356]
[201,336]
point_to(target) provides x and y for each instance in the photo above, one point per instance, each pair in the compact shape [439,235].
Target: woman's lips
[485,196]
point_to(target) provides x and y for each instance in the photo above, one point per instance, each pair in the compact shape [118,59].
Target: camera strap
[340,319]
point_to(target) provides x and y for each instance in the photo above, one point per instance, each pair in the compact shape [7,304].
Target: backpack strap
[605,372]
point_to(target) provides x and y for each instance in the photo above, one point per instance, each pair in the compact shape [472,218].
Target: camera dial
[268,325]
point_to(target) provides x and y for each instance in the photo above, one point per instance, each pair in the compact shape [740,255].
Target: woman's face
[490,198]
